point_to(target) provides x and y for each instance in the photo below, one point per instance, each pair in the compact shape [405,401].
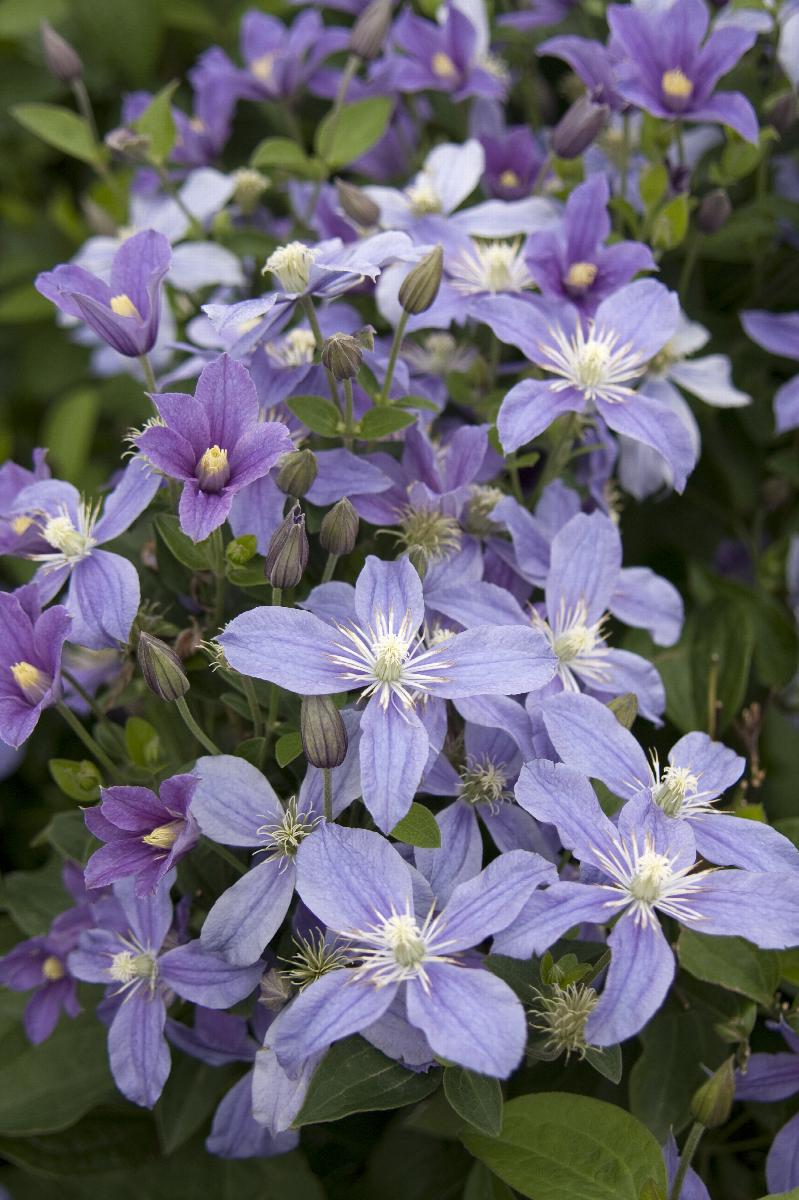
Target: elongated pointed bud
[420,286]
[61,59]
[356,205]
[714,211]
[712,1102]
[297,472]
[339,530]
[287,556]
[579,127]
[625,709]
[342,354]
[323,733]
[161,667]
[369,31]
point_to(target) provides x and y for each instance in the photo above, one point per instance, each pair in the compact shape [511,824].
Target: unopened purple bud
[781,115]
[714,211]
[339,530]
[369,31]
[342,354]
[323,733]
[297,472]
[287,556]
[355,204]
[161,667]
[61,59]
[419,288]
[579,127]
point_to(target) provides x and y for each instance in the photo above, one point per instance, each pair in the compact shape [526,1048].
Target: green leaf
[69,428]
[380,422]
[253,750]
[286,155]
[96,1143]
[320,415]
[287,748]
[68,835]
[476,1098]
[179,546]
[158,124]
[482,1185]
[347,133]
[79,780]
[671,224]
[606,1060]
[556,1146]
[143,742]
[652,184]
[49,1087]
[732,963]
[354,1077]
[668,1072]
[34,898]
[793,1194]
[60,128]
[418,828]
[191,1094]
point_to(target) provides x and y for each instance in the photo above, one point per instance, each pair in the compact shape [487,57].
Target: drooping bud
[714,211]
[339,530]
[61,59]
[342,354]
[323,733]
[781,115]
[712,1102]
[298,470]
[579,127]
[287,556]
[250,186]
[356,205]
[625,709]
[420,286]
[369,31]
[162,669]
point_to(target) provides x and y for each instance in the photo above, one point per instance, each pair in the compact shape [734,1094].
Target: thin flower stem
[313,321]
[392,359]
[83,101]
[330,567]
[252,699]
[540,178]
[688,1152]
[348,427]
[149,374]
[680,143]
[223,852]
[689,262]
[327,785]
[87,739]
[193,727]
[216,556]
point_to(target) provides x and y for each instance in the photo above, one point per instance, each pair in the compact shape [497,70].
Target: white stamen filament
[580,649]
[389,659]
[646,880]
[397,948]
[593,363]
[491,267]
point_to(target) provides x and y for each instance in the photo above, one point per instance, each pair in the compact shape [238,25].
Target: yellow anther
[53,968]
[32,682]
[165,836]
[509,178]
[676,84]
[262,68]
[443,65]
[581,275]
[123,306]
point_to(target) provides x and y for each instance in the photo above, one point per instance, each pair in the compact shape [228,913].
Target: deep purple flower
[127,955]
[126,311]
[145,834]
[359,886]
[573,263]
[445,56]
[19,535]
[593,62]
[779,334]
[40,963]
[667,70]
[30,661]
[215,442]
[771,1077]
[384,655]
[513,160]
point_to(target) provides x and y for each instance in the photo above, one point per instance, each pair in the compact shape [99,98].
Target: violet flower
[771,1077]
[30,661]
[145,834]
[19,535]
[669,73]
[513,160]
[130,961]
[779,334]
[126,311]
[384,655]
[445,56]
[215,442]
[359,886]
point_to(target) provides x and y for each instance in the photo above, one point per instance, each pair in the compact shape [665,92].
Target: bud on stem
[419,288]
[323,733]
[297,472]
[579,127]
[287,556]
[161,667]
[61,59]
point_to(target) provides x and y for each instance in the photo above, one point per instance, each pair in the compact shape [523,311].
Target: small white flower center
[62,535]
[296,349]
[127,967]
[388,659]
[653,871]
[593,363]
[491,267]
[423,196]
[404,940]
[443,66]
[674,786]
[282,838]
[263,67]
[580,276]
[291,264]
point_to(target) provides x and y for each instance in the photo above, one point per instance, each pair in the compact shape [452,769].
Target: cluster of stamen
[427,534]
[491,267]
[313,958]
[593,363]
[133,967]
[296,349]
[263,67]
[70,542]
[645,879]
[389,659]
[123,306]
[423,196]
[396,948]
[677,87]
[580,276]
[484,782]
[282,838]
[443,66]
[578,645]
[32,681]
[561,1016]
[213,469]
[164,836]
[676,791]
[291,265]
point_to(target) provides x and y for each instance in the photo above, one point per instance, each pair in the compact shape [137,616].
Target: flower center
[580,276]
[675,784]
[62,535]
[492,267]
[53,969]
[127,967]
[652,872]
[509,178]
[291,264]
[123,306]
[165,836]
[676,85]
[428,535]
[296,349]
[404,940]
[482,502]
[283,838]
[314,957]
[443,65]
[483,783]
[263,67]
[574,642]
[594,363]
[423,196]
[213,470]
[562,1017]
[390,653]
[21,525]
[31,681]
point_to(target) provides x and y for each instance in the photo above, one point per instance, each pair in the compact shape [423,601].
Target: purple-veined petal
[482,906]
[137,1048]
[249,913]
[286,646]
[490,660]
[641,598]
[233,800]
[763,908]
[205,978]
[548,914]
[348,876]
[588,737]
[103,599]
[128,500]
[385,588]
[731,841]
[394,750]
[639,976]
[530,407]
[585,560]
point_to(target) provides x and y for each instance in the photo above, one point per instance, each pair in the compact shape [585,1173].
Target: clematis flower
[593,62]
[643,867]
[445,56]
[595,370]
[590,740]
[779,334]
[670,73]
[19,534]
[359,886]
[513,160]
[129,957]
[145,834]
[104,591]
[30,661]
[215,442]
[771,1077]
[384,656]
[126,311]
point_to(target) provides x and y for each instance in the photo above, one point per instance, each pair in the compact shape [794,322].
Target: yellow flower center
[20,525]
[581,275]
[213,470]
[443,65]
[165,836]
[123,306]
[197,124]
[263,67]
[509,178]
[676,84]
[53,968]
[32,682]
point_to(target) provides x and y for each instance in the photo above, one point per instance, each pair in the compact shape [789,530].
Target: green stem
[348,425]
[216,559]
[347,76]
[310,312]
[193,727]
[327,784]
[83,101]
[252,699]
[559,454]
[223,852]
[330,567]
[392,359]
[149,374]
[515,479]
[680,144]
[543,171]
[689,262]
[87,739]
[688,1152]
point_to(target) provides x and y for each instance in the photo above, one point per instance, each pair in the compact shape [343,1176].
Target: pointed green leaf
[418,828]
[60,128]
[354,1077]
[476,1098]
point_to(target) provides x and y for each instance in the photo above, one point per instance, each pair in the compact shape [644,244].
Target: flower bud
[287,556]
[339,530]
[131,146]
[625,709]
[356,205]
[712,1102]
[162,669]
[250,186]
[714,211]
[369,31]
[781,115]
[297,472]
[342,354]
[420,286]
[323,733]
[61,59]
[578,127]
